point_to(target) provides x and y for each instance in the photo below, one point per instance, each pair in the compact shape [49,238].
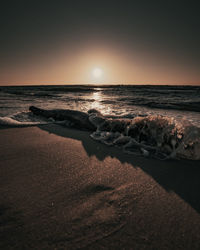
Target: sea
[115,101]
[153,121]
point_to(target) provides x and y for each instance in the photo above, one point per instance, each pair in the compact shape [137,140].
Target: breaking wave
[153,136]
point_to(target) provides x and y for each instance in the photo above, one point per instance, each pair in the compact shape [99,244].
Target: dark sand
[60,189]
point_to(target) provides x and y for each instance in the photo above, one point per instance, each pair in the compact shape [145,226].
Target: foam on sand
[154,136]
[8,121]
[157,136]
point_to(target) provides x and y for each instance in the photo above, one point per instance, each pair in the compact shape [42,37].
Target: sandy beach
[59,189]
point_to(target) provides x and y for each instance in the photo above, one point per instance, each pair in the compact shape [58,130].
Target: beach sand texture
[59,189]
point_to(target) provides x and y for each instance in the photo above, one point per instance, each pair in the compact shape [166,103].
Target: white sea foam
[157,136]
[8,121]
[23,119]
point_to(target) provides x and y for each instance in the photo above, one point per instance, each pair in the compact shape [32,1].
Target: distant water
[179,102]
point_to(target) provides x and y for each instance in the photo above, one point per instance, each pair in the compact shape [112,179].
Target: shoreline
[61,189]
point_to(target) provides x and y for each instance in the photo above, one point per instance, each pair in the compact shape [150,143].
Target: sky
[131,42]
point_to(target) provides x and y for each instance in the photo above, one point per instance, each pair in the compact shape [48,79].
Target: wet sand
[60,189]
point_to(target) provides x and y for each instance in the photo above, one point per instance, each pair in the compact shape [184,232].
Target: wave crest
[156,136]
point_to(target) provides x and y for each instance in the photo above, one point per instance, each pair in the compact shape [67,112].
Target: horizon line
[98,84]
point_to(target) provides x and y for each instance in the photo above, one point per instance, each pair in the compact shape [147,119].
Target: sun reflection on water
[97,97]
[98,102]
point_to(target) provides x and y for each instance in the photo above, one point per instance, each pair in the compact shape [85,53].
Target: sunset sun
[97,73]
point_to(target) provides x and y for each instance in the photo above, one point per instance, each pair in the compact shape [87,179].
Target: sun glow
[97,73]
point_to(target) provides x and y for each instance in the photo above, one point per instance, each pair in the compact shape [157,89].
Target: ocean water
[158,121]
[180,102]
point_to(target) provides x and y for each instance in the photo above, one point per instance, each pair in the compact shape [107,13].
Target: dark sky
[133,41]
